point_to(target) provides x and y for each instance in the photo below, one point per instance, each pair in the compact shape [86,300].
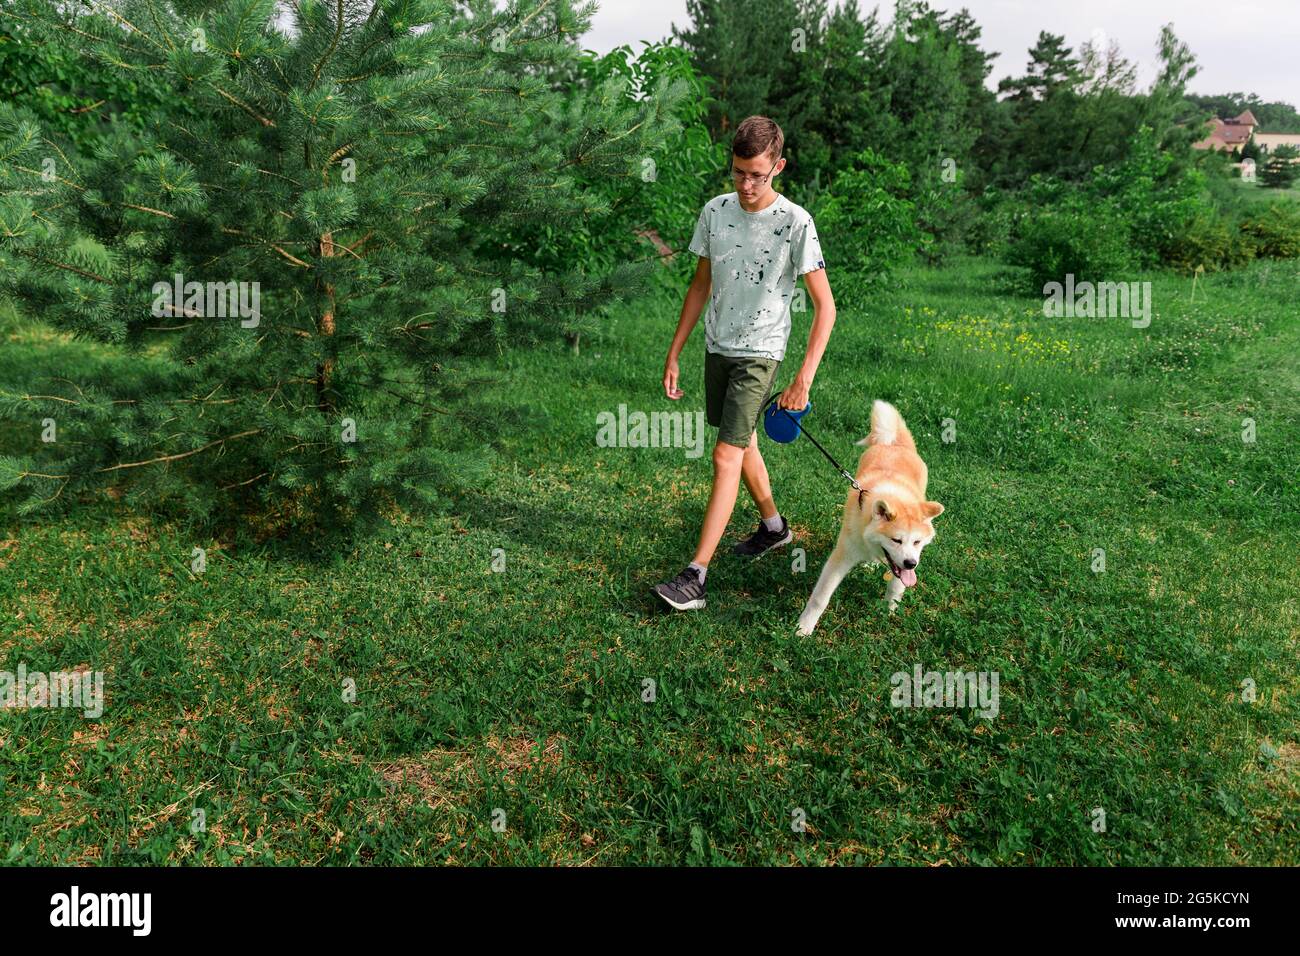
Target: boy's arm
[697,294]
[795,397]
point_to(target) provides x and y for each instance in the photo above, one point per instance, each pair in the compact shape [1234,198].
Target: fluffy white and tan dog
[888,523]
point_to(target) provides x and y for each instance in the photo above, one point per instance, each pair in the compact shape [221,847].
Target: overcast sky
[1251,46]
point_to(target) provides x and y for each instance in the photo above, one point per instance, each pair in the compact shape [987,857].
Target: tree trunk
[326,327]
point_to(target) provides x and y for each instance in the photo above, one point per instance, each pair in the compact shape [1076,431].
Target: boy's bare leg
[727,461]
[754,471]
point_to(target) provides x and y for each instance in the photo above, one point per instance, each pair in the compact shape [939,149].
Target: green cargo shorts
[735,391]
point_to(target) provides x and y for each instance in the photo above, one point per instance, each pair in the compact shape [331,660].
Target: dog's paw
[804,628]
[893,606]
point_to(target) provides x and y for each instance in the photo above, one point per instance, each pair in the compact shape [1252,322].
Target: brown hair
[757,135]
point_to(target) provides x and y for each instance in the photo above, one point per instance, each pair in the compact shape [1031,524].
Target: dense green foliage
[1146,211]
[867,212]
[980,167]
[1068,232]
[359,170]
[1275,231]
[74,96]
[652,198]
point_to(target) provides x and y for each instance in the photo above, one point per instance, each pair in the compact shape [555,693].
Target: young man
[752,245]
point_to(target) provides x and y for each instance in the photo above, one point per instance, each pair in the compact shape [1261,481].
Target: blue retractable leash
[782,425]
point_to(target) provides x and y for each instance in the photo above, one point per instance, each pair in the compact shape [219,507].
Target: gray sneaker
[684,592]
[763,541]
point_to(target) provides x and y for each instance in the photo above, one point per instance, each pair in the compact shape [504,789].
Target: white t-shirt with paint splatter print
[755,258]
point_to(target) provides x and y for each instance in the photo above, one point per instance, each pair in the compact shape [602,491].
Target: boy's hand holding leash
[795,396]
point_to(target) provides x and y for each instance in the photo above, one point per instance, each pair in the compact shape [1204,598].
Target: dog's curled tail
[887,427]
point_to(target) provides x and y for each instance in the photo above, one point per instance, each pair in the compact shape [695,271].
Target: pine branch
[156,212]
[62,265]
[186,454]
[243,106]
[338,32]
[154,14]
[524,22]
[240,484]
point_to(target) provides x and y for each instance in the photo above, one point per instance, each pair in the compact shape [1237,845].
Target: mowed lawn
[514,697]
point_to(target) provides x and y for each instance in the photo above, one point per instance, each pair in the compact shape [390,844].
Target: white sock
[701,568]
[773,523]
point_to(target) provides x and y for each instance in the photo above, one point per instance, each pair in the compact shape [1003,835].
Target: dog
[888,522]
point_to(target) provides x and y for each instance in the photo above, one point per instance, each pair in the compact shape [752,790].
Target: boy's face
[753,177]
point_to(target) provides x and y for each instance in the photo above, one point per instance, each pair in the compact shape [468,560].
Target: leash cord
[853,481]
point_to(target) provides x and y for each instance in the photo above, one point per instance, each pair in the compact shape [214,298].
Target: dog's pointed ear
[881,509]
[931,509]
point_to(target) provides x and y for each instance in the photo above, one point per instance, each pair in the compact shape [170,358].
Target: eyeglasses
[738,177]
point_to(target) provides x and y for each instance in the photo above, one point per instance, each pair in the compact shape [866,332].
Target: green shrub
[1223,184]
[864,220]
[946,214]
[1207,240]
[1076,236]
[1274,233]
[76,96]
[1157,199]
[1144,212]
[991,231]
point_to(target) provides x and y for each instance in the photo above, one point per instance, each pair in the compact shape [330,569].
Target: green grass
[1257,192]
[521,690]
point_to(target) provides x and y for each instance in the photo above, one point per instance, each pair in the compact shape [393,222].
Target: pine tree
[1040,108]
[346,186]
[779,58]
[1281,169]
[925,82]
[1052,67]
[742,46]
[851,116]
[1165,108]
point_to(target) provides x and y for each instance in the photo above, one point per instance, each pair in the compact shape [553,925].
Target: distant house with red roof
[1232,134]
[1229,134]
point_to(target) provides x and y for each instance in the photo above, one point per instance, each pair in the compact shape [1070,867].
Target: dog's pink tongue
[908,577]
